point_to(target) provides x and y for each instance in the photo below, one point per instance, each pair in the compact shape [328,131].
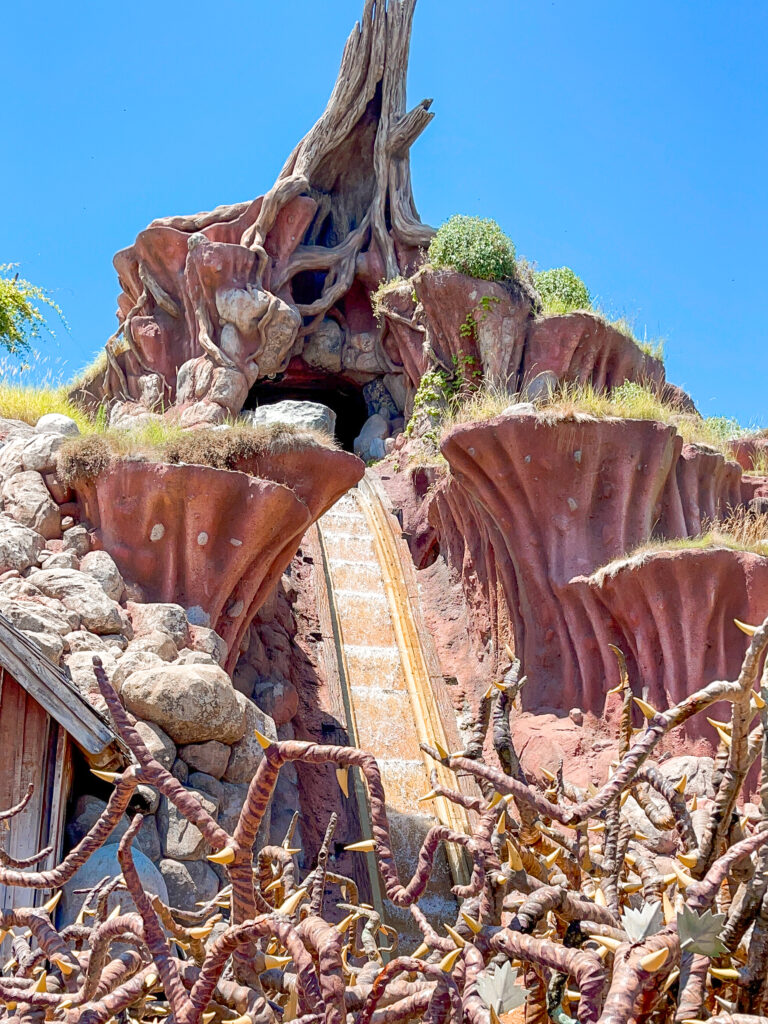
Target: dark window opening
[344,398]
[307,286]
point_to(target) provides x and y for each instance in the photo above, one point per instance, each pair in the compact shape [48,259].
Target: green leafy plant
[561,291]
[468,329]
[700,933]
[473,246]
[21,319]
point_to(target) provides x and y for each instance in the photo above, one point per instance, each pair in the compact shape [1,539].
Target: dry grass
[573,400]
[159,441]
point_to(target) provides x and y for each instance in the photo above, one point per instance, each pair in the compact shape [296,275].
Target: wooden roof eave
[57,694]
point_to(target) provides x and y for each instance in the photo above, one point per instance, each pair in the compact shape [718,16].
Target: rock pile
[74,603]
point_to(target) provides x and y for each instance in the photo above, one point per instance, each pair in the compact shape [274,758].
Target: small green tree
[21,319]
[562,291]
[475,247]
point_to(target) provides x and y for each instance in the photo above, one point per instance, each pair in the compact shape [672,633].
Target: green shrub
[562,291]
[473,246]
[21,320]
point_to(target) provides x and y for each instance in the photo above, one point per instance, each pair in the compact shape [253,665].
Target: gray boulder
[20,546]
[158,743]
[305,415]
[83,594]
[57,423]
[77,540]
[157,641]
[181,839]
[208,641]
[132,662]
[248,752]
[171,618]
[101,566]
[40,452]
[188,883]
[210,757]
[369,443]
[192,703]
[29,502]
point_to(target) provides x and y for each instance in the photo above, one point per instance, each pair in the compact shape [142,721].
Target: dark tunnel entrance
[344,398]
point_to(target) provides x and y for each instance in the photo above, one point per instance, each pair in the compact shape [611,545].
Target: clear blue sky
[627,140]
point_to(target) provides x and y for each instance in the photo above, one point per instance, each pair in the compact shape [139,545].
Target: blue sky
[625,140]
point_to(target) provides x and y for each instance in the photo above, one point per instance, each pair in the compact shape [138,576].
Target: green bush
[562,291]
[473,246]
[21,320]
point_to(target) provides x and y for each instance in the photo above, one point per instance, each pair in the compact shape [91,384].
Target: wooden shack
[43,717]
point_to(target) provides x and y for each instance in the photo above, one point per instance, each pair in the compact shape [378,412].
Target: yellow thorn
[680,786]
[347,921]
[474,926]
[725,738]
[600,899]
[758,701]
[725,973]
[293,850]
[52,902]
[208,1017]
[200,933]
[648,710]
[427,796]
[641,837]
[668,879]
[496,800]
[80,915]
[513,858]
[105,776]
[274,885]
[182,944]
[673,976]
[11,1005]
[442,752]
[11,965]
[653,961]
[619,688]
[624,797]
[225,856]
[275,961]
[716,724]
[501,824]
[693,1020]
[746,628]
[494,1016]
[552,858]
[342,776]
[683,878]
[669,910]
[489,692]
[449,960]
[630,858]
[630,887]
[607,942]
[364,846]
[41,985]
[420,951]
[62,963]
[599,827]
[460,943]
[548,774]
[264,742]
[151,980]
[115,912]
[293,901]
[688,859]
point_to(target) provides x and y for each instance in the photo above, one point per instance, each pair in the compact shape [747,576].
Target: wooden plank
[51,689]
[314,544]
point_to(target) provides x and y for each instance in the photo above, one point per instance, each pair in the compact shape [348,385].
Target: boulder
[20,546]
[157,641]
[29,502]
[698,770]
[102,567]
[188,883]
[192,703]
[188,657]
[80,667]
[208,641]
[83,594]
[181,839]
[305,415]
[76,539]
[323,347]
[36,617]
[210,757]
[62,560]
[40,452]
[278,698]
[369,444]
[248,752]
[158,743]
[155,615]
[135,661]
[82,640]
[57,423]
[50,644]
[104,863]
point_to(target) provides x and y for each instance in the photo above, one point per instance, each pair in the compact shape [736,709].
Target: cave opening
[344,397]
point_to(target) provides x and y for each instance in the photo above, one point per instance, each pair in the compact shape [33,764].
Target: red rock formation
[212,538]
[748,450]
[560,498]
[675,610]
[583,347]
